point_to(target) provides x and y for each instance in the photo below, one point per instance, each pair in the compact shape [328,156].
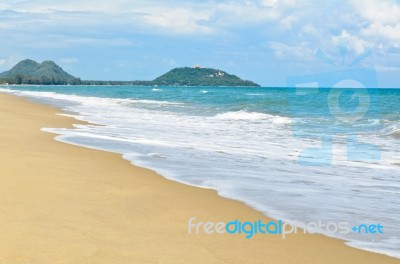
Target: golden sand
[61,203]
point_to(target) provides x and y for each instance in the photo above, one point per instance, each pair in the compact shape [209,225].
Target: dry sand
[61,203]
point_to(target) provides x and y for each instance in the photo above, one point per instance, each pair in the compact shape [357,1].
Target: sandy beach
[66,204]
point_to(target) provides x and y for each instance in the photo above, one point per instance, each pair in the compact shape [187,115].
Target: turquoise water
[294,154]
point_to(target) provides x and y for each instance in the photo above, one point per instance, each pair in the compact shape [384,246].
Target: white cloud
[383,32]
[282,3]
[351,42]
[269,3]
[118,13]
[293,29]
[180,20]
[258,11]
[301,52]
[386,12]
[383,20]
[189,17]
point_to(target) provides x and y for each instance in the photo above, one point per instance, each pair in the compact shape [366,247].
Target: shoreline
[70,204]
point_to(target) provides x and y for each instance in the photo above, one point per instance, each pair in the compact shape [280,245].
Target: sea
[296,154]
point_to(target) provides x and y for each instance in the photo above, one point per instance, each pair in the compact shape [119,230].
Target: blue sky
[266,41]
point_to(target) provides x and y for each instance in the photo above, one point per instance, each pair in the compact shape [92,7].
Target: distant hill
[31,72]
[49,73]
[200,77]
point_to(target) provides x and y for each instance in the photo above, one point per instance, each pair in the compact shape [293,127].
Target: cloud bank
[252,38]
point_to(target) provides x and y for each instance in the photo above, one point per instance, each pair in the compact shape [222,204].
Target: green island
[49,73]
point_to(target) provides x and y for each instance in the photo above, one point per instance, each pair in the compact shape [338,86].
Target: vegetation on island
[200,77]
[49,73]
[31,72]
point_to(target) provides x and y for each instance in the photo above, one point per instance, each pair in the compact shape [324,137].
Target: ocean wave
[87,100]
[154,102]
[252,116]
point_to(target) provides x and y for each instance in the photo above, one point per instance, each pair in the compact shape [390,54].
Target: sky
[266,41]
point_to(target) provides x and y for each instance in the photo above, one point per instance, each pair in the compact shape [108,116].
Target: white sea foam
[242,115]
[87,100]
[252,116]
